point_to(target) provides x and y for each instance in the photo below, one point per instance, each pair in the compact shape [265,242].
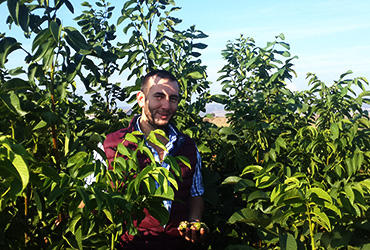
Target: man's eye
[174,99]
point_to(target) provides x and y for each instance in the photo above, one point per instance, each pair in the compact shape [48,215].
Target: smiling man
[158,98]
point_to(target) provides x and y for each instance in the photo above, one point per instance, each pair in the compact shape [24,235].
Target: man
[158,98]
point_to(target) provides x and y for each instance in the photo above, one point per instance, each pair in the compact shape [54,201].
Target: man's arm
[195,215]
[196,201]
[196,208]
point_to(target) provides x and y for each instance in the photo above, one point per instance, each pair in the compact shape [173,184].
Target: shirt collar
[172,133]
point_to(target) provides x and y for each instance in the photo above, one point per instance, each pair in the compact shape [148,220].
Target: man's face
[158,102]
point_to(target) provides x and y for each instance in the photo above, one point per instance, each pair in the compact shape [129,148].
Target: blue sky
[329,37]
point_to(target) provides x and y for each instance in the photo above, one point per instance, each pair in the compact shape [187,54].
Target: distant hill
[217,110]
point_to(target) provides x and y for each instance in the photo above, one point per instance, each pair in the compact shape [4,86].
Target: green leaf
[349,192]
[84,196]
[158,211]
[333,208]
[281,142]
[304,108]
[19,13]
[78,235]
[8,171]
[69,6]
[131,137]
[133,57]
[108,214]
[76,218]
[128,3]
[47,171]
[39,125]
[203,149]
[321,194]
[12,101]
[120,164]
[243,185]
[231,180]
[345,74]
[56,193]
[276,192]
[13,7]
[16,84]
[153,138]
[365,123]
[55,30]
[174,166]
[200,45]
[258,195]
[164,191]
[285,45]
[130,25]
[251,169]
[272,154]
[184,160]
[21,165]
[266,181]
[76,39]
[288,242]
[364,93]
[45,49]
[195,75]
[99,198]
[246,215]
[17,71]
[7,45]
[39,204]
[334,128]
[293,196]
[226,131]
[322,219]
[281,36]
[40,38]
[149,153]
[366,183]
[23,17]
[123,150]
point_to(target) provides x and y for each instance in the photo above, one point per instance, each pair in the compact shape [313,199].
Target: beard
[158,124]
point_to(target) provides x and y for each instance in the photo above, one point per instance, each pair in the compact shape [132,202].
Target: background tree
[293,165]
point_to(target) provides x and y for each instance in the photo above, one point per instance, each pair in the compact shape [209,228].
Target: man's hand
[193,231]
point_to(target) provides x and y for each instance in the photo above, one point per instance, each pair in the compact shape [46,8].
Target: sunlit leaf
[195,75]
[349,192]
[251,169]
[13,103]
[321,194]
[231,180]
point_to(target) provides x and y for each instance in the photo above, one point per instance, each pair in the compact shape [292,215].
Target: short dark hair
[161,73]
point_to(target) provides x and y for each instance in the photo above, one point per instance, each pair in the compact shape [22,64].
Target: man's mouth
[164,116]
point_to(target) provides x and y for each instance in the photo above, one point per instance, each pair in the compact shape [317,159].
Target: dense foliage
[294,166]
[291,171]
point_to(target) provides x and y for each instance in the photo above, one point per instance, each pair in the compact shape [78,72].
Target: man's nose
[166,103]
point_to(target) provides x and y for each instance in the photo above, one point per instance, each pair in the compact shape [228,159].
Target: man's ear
[140,97]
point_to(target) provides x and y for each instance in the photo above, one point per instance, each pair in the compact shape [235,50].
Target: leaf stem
[311,226]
